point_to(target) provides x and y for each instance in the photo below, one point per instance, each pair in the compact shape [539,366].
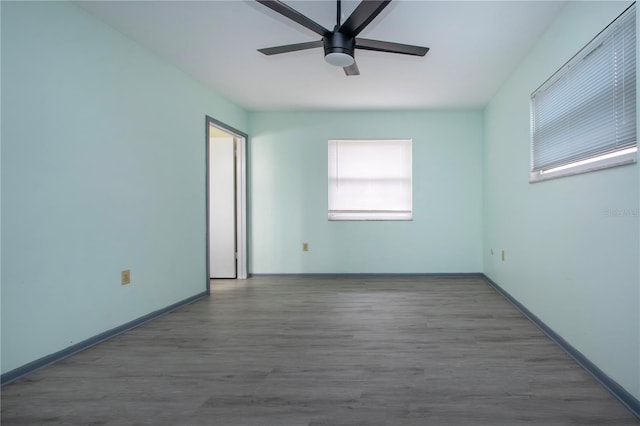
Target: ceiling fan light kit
[339,59]
[338,49]
[340,44]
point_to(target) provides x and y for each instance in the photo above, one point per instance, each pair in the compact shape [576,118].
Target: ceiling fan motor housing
[338,42]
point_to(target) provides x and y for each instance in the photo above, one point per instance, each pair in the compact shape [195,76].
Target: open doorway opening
[226,201]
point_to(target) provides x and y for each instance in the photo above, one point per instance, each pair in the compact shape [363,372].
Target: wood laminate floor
[317,351]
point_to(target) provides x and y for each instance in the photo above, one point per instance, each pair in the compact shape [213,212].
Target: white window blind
[587,109]
[370,180]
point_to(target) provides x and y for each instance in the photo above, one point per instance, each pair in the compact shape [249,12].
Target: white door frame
[241,195]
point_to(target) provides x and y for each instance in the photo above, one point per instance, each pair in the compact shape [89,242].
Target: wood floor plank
[323,351]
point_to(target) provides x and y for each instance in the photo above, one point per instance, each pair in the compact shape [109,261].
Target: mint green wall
[567,260]
[103,169]
[288,195]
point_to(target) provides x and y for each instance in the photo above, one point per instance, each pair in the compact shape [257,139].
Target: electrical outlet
[305,246]
[125,277]
[503,255]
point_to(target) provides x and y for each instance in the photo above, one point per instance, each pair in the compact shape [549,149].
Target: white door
[222,211]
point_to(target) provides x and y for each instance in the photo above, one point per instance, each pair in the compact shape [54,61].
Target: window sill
[627,157]
[370,215]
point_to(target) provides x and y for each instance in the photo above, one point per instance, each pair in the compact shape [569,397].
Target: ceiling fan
[339,44]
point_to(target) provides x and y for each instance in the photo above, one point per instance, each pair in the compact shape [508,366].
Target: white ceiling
[475,45]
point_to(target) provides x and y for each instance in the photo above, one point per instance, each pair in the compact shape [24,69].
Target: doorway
[226,201]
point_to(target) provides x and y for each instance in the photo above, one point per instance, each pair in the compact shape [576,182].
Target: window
[370,180]
[583,118]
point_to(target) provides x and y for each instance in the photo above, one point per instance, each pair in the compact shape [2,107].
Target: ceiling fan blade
[364,13]
[389,47]
[295,16]
[352,69]
[290,48]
